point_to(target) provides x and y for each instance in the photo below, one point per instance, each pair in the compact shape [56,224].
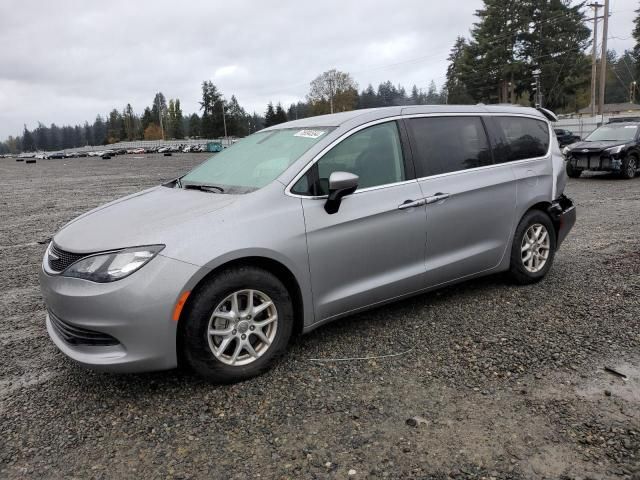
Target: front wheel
[237,325]
[629,167]
[533,248]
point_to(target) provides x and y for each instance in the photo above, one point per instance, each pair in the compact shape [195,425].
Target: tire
[573,172]
[196,346]
[519,269]
[629,167]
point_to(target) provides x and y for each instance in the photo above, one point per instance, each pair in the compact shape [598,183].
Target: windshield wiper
[203,187]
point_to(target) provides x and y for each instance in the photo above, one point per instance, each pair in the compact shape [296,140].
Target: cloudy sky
[65,61]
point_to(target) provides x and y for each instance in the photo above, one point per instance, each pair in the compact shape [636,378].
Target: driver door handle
[411,203]
[438,197]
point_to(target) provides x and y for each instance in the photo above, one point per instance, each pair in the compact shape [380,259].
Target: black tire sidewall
[194,346]
[517,269]
[625,166]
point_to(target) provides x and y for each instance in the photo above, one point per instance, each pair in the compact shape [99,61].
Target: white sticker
[630,126]
[309,133]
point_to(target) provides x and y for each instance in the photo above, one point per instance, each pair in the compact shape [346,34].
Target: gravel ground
[496,381]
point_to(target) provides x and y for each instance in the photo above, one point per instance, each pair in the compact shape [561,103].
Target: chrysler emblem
[585,150]
[53,256]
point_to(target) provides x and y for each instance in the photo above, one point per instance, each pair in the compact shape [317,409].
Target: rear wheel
[629,167]
[572,171]
[237,325]
[533,248]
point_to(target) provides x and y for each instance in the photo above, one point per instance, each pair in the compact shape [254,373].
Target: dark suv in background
[614,147]
[565,137]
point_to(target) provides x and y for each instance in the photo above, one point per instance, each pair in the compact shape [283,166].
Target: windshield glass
[622,133]
[256,160]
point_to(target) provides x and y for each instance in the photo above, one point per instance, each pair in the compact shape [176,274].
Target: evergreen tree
[147,118]
[28,144]
[194,125]
[368,98]
[88,134]
[178,121]
[636,48]
[211,125]
[129,120]
[41,137]
[280,115]
[99,131]
[432,98]
[269,116]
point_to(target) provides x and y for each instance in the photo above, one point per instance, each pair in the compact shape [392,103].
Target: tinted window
[374,154]
[449,144]
[525,137]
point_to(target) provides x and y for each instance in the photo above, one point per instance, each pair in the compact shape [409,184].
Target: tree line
[507,45]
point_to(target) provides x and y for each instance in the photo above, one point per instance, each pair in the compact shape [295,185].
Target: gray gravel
[497,380]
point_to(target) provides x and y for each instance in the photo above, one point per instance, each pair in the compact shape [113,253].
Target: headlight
[614,150]
[108,267]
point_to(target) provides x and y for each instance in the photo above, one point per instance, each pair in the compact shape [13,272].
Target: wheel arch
[544,207]
[277,268]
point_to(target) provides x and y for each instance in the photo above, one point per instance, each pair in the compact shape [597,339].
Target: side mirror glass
[341,184]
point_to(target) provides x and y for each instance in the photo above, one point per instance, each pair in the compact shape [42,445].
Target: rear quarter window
[524,138]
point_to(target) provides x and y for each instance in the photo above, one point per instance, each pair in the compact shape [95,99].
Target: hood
[595,146]
[138,219]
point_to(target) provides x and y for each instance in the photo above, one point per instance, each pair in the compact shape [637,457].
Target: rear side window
[524,137]
[448,144]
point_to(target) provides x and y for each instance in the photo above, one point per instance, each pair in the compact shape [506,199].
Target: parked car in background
[614,147]
[219,267]
[136,151]
[565,137]
[56,155]
[163,150]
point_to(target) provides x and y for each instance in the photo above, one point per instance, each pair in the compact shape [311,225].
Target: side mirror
[341,184]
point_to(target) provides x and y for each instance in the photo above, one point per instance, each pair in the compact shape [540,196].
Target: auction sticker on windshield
[309,133]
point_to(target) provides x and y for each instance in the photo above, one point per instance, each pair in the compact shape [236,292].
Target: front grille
[59,260]
[80,336]
[587,160]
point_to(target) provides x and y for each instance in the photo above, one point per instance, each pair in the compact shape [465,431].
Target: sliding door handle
[438,197]
[411,203]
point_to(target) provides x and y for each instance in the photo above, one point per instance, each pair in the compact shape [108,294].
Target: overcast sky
[65,61]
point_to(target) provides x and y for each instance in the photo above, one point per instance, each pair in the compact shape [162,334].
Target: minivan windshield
[621,133]
[254,161]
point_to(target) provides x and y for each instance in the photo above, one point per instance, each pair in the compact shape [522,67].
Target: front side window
[374,154]
[525,138]
[449,144]
[256,160]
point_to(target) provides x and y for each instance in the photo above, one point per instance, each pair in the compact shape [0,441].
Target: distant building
[614,109]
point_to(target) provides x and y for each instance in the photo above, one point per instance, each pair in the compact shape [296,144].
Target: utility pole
[160,115]
[594,55]
[224,123]
[603,59]
[632,92]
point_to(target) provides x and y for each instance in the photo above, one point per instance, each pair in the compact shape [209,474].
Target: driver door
[373,248]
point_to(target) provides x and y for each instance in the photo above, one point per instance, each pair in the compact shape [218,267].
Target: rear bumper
[563,215]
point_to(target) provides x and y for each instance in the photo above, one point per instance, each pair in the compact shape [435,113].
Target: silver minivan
[300,224]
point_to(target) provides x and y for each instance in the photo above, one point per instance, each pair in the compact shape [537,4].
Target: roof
[367,114]
[614,107]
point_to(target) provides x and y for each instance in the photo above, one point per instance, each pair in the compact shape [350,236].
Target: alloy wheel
[242,327]
[535,248]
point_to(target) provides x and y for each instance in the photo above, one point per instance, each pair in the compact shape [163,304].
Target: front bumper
[595,161]
[563,215]
[135,313]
